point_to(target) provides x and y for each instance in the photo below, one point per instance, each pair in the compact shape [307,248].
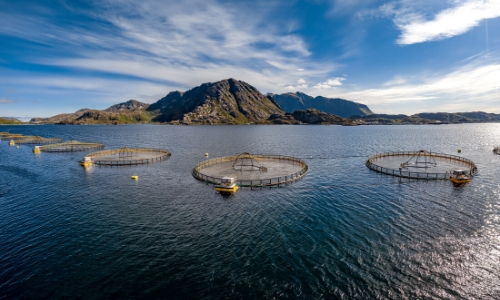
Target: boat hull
[460,180]
[229,190]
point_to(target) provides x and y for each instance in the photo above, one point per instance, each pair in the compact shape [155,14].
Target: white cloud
[330,83]
[175,46]
[301,81]
[417,27]
[469,88]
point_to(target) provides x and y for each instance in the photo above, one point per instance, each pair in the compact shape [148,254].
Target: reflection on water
[343,231]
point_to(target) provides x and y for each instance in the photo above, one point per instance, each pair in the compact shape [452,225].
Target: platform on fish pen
[251,170]
[71,146]
[420,164]
[126,157]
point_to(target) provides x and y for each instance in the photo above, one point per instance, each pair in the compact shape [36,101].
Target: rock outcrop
[308,116]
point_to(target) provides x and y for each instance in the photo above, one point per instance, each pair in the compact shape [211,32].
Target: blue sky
[397,56]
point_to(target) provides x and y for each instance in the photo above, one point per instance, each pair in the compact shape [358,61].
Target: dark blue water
[343,231]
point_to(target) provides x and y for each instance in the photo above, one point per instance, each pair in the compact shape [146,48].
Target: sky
[396,56]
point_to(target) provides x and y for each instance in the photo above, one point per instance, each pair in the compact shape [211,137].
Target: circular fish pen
[420,164]
[251,170]
[38,140]
[71,146]
[126,157]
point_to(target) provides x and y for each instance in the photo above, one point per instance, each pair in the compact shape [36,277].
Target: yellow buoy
[11,143]
[135,177]
[459,151]
[206,154]
[17,146]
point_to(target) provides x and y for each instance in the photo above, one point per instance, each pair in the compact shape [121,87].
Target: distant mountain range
[233,101]
[290,102]
[430,118]
[8,120]
[227,101]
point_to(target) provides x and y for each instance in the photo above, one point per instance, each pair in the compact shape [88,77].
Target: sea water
[343,231]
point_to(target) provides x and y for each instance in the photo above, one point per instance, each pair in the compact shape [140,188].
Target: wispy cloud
[6,101]
[179,45]
[417,25]
[471,87]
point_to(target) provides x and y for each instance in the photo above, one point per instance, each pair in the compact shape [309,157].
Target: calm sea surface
[343,231]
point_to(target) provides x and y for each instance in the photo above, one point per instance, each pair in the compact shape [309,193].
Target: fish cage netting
[10,136]
[127,156]
[39,140]
[419,164]
[71,146]
[251,170]
[21,137]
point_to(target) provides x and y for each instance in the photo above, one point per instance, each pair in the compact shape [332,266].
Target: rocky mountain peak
[228,101]
[130,105]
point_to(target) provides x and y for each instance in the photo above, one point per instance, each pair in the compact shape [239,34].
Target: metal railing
[251,182]
[401,172]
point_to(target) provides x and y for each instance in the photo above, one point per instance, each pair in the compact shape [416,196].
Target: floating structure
[460,176]
[420,164]
[71,146]
[251,170]
[125,157]
[38,140]
[17,137]
[10,136]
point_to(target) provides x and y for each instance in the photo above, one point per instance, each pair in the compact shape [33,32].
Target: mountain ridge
[232,101]
[290,102]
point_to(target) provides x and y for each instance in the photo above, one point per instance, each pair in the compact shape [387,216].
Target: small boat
[460,176]
[227,185]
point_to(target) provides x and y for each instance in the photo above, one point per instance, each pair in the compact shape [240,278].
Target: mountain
[128,112]
[8,120]
[227,101]
[460,117]
[290,102]
[431,118]
[130,105]
[59,118]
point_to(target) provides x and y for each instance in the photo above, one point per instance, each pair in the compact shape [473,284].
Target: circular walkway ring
[135,156]
[71,146]
[262,182]
[405,173]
